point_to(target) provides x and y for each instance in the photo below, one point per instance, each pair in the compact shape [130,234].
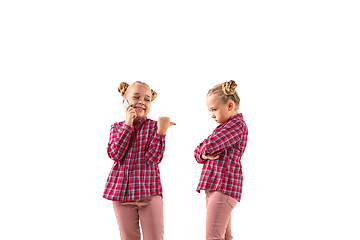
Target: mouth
[140,108]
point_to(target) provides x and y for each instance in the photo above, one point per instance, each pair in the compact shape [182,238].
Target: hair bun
[122,88]
[153,95]
[229,87]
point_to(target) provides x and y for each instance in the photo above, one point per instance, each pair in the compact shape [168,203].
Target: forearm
[212,148]
[119,142]
[198,154]
[218,142]
[155,152]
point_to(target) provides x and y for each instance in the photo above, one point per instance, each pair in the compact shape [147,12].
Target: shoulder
[152,124]
[237,121]
[241,122]
[150,121]
[117,125]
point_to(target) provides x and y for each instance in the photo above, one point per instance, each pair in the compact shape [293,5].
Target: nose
[213,115]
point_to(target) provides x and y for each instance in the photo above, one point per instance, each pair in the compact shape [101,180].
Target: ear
[231,106]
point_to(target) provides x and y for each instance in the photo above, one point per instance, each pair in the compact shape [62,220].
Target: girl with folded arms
[220,154]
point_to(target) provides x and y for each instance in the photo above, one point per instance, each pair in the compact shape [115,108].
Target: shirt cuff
[128,128]
[161,136]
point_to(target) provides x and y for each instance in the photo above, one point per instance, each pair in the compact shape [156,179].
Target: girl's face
[220,111]
[140,97]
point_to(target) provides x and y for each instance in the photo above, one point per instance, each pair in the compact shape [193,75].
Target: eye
[135,97]
[148,100]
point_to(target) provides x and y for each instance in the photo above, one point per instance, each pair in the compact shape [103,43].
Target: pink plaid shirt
[229,142]
[136,152]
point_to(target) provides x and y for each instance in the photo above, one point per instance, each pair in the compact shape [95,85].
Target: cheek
[219,113]
[148,106]
[222,114]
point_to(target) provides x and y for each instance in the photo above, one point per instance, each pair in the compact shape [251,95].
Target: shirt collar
[238,115]
[140,122]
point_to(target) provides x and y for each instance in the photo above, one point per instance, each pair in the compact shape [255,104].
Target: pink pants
[148,210]
[218,215]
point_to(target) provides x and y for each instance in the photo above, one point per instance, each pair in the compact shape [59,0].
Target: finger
[132,111]
[216,157]
[172,123]
[130,106]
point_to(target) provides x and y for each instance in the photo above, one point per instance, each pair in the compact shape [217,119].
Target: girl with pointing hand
[136,146]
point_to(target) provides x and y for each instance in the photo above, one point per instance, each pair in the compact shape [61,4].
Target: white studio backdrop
[296,64]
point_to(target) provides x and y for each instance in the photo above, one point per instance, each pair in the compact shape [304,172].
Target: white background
[296,64]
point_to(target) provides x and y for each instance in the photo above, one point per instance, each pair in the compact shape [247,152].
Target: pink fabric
[136,152]
[148,210]
[229,142]
[218,215]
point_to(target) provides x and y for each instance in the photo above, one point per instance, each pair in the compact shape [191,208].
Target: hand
[163,125]
[210,157]
[130,115]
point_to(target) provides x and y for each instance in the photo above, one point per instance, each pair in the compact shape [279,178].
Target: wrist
[161,132]
[129,123]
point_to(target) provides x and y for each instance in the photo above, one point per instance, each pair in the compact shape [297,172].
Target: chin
[142,115]
[220,122]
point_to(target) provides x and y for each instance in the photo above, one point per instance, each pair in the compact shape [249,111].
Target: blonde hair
[123,87]
[226,91]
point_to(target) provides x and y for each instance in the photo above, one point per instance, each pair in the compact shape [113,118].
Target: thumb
[172,123]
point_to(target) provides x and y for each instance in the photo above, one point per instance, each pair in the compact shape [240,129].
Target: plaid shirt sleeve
[225,173]
[218,141]
[136,152]
[198,154]
[155,152]
[120,135]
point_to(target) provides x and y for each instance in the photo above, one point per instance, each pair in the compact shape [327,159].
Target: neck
[233,113]
[136,120]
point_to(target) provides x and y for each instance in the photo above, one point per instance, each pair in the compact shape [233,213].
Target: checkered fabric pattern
[229,142]
[136,152]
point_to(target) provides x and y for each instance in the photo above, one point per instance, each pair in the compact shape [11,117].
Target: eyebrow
[139,94]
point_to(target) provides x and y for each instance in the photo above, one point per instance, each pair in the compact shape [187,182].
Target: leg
[232,203]
[219,207]
[151,217]
[228,233]
[128,220]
